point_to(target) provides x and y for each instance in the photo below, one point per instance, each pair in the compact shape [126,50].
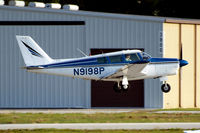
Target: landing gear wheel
[125,87]
[165,88]
[117,87]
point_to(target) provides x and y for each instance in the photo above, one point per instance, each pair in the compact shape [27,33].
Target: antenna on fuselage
[82,52]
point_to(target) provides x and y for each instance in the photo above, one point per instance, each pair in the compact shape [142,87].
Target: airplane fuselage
[92,68]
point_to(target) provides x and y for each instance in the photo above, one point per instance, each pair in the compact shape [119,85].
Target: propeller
[181,52]
[181,61]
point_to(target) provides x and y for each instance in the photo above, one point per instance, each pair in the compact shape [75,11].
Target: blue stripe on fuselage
[164,60]
[72,63]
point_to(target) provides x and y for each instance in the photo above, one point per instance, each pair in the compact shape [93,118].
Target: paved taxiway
[104,126]
[63,111]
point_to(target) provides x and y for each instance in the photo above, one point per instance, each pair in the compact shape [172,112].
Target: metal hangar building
[60,32]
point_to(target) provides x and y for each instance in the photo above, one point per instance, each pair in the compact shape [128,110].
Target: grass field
[91,131]
[131,117]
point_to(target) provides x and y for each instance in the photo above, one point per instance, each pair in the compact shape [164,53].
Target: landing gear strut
[165,87]
[118,87]
[125,85]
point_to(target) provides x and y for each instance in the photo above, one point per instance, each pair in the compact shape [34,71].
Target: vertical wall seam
[195,65]
[180,47]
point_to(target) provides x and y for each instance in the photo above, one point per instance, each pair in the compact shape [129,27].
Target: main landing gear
[165,87]
[124,86]
[121,86]
[118,87]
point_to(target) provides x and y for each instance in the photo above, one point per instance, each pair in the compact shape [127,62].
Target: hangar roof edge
[109,15]
[89,13]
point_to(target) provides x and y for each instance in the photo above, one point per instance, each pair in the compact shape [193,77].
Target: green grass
[91,131]
[131,117]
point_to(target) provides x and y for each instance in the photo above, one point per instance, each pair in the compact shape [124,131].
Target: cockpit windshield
[145,56]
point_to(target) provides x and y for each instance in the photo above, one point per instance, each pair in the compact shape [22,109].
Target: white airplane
[120,67]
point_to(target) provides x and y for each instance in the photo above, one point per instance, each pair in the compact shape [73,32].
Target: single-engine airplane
[120,67]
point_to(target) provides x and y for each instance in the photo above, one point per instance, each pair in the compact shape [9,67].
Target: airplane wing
[131,70]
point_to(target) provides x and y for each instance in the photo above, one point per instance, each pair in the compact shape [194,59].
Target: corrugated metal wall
[100,31]
[29,90]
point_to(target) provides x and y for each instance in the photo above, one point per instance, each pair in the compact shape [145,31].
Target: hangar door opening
[103,95]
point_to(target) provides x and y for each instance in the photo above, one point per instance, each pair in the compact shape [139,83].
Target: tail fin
[31,52]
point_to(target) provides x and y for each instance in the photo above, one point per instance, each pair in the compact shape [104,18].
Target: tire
[117,88]
[125,90]
[165,88]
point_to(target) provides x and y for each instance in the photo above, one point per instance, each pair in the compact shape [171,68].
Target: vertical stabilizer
[31,52]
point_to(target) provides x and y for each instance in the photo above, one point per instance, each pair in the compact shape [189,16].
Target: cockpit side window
[115,59]
[102,60]
[132,57]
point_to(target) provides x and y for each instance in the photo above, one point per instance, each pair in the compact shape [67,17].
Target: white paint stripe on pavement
[104,126]
[178,112]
